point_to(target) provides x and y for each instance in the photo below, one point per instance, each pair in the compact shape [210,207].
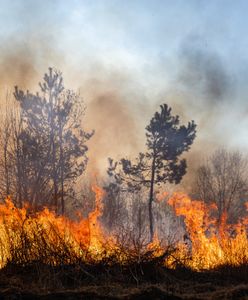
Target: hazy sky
[127,57]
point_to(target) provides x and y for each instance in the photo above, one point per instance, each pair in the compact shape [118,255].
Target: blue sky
[191,54]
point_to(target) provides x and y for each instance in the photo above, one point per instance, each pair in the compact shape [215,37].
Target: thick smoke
[204,72]
[204,88]
[17,67]
[117,107]
[117,132]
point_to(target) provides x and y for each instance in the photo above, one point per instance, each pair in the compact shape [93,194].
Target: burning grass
[213,242]
[58,253]
[56,240]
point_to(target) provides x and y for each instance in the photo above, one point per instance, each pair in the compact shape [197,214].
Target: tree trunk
[62,167]
[151,200]
[53,148]
[139,223]
[6,164]
[18,171]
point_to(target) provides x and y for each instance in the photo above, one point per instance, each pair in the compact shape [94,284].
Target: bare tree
[223,181]
[5,136]
[114,209]
[9,130]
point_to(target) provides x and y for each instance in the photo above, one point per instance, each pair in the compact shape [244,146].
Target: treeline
[44,153]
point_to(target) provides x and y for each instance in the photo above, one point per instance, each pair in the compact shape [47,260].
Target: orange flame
[53,239]
[213,244]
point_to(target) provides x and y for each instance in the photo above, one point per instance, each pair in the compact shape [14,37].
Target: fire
[52,239]
[45,230]
[95,230]
[212,243]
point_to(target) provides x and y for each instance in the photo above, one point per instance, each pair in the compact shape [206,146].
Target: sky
[128,57]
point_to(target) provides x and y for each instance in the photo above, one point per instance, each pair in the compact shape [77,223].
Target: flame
[212,243]
[52,239]
[95,230]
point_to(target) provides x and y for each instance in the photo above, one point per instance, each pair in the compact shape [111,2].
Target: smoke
[204,72]
[204,88]
[120,103]
[29,42]
[115,121]
[17,67]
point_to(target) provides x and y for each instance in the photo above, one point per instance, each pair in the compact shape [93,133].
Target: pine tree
[51,148]
[166,140]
